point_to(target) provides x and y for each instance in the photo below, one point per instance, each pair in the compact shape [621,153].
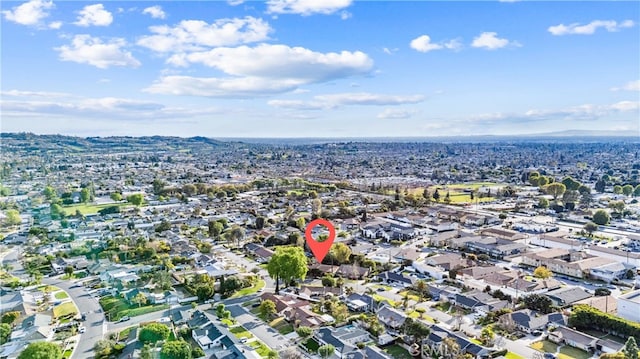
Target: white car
[82,330]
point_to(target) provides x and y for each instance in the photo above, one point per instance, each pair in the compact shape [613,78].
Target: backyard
[398,352]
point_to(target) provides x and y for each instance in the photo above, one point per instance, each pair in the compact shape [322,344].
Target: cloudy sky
[310,68]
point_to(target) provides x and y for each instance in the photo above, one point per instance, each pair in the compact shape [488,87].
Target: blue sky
[306,68]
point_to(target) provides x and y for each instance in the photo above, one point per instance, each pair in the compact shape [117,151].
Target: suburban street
[95,322]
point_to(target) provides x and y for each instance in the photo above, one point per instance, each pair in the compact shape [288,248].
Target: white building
[629,306]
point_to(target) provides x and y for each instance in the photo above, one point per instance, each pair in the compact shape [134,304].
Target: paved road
[260,329]
[95,322]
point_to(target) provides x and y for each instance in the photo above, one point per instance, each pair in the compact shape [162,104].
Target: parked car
[124,319]
[82,330]
[549,356]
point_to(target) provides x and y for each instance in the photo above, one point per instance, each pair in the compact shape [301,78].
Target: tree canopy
[176,349]
[601,217]
[41,350]
[154,332]
[542,272]
[287,264]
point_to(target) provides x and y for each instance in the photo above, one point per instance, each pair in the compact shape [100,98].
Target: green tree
[10,317]
[135,199]
[415,329]
[116,196]
[68,270]
[158,186]
[304,332]
[630,349]
[542,272]
[41,350]
[534,178]
[154,332]
[543,202]
[215,228]
[301,223]
[5,333]
[421,288]
[145,352]
[436,195]
[555,189]
[175,349]
[617,206]
[267,308]
[600,185]
[571,184]
[50,193]
[487,335]
[13,217]
[627,190]
[636,191]
[326,351]
[236,234]
[601,217]
[617,189]
[260,221]
[140,299]
[340,252]
[287,264]
[85,195]
[590,228]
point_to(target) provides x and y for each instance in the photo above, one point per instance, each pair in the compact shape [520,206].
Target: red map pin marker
[320,249]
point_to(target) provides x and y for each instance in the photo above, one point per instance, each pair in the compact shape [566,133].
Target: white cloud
[423,44]
[586,112]
[264,69]
[394,114]
[235,2]
[325,102]
[36,94]
[94,15]
[491,41]
[590,28]
[389,51]
[85,49]
[454,44]
[306,7]
[109,108]
[156,12]
[55,25]
[29,13]
[630,86]
[345,15]
[196,35]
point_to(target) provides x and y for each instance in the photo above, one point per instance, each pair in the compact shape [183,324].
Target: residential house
[391,317]
[343,339]
[207,337]
[352,271]
[36,327]
[390,277]
[574,338]
[527,320]
[567,296]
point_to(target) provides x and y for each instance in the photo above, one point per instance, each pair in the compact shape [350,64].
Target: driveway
[260,329]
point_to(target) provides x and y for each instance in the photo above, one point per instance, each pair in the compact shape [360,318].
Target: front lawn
[311,345]
[241,332]
[379,298]
[398,352]
[61,295]
[568,352]
[443,306]
[545,346]
[512,355]
[118,308]
[250,290]
[260,348]
[64,309]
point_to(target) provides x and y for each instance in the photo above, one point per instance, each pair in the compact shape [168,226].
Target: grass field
[567,352]
[260,348]
[85,208]
[118,308]
[250,290]
[64,309]
[511,355]
[61,295]
[281,326]
[241,332]
[544,346]
[311,345]
[398,352]
[379,298]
